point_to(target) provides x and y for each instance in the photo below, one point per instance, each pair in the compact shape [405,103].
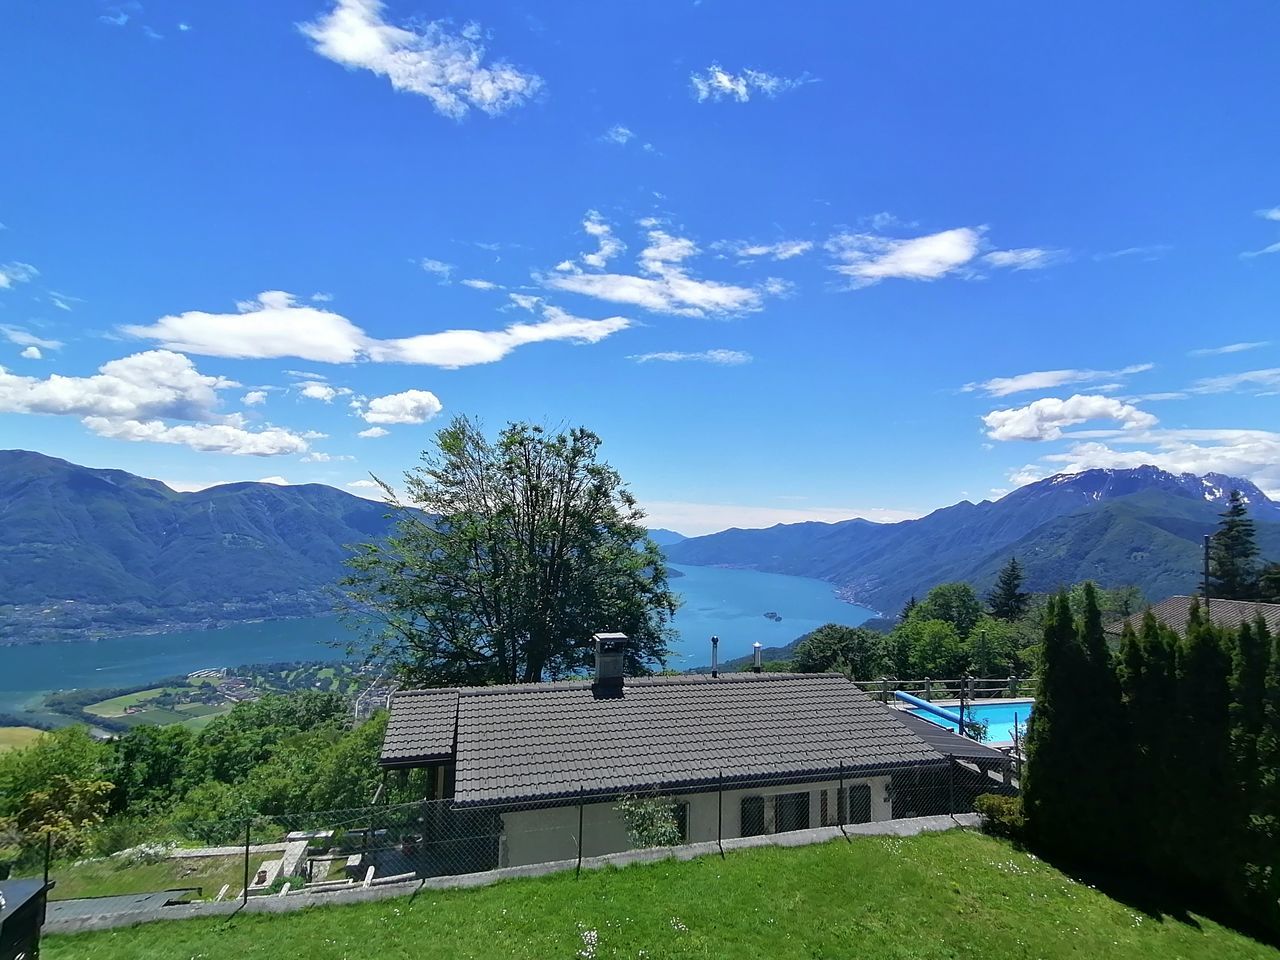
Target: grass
[102,878]
[12,737]
[955,895]
[116,706]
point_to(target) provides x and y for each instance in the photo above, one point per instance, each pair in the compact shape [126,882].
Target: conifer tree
[907,608]
[1251,655]
[1233,553]
[1007,600]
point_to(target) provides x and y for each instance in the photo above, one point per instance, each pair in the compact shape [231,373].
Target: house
[1222,613]
[738,754]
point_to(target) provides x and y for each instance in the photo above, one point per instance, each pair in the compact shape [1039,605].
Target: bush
[651,821]
[1001,816]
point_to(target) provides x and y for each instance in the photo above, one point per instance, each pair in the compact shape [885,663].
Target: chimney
[757,659]
[715,656]
[611,650]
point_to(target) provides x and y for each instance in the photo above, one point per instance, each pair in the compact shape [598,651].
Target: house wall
[539,836]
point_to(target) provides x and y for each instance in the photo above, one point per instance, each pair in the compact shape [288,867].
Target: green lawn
[116,706]
[955,895]
[102,878]
[11,737]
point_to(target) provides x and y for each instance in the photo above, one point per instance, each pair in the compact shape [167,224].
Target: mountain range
[1141,526]
[88,551]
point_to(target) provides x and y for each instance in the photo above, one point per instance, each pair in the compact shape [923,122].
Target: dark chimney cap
[611,658]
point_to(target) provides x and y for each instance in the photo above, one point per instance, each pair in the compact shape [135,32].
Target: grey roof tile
[1223,613]
[534,741]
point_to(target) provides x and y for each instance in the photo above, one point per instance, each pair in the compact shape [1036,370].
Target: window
[791,812]
[855,803]
[752,816]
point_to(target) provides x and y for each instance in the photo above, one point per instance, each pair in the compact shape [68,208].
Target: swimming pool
[999,717]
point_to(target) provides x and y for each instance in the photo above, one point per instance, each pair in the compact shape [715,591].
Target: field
[941,896]
[11,737]
[193,715]
[101,878]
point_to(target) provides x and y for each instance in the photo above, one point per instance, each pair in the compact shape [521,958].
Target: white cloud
[610,246]
[1249,379]
[524,301]
[1025,258]
[316,456]
[667,286]
[254,398]
[723,357]
[25,338]
[1151,252]
[716,83]
[867,259]
[475,284]
[695,519]
[617,134]
[373,433]
[1230,348]
[31,353]
[411,406]
[782,250]
[1044,419]
[205,437]
[1050,379]
[131,398]
[1271,213]
[363,485]
[448,69]
[1270,248]
[436,267]
[276,481]
[276,325]
[11,273]
[315,390]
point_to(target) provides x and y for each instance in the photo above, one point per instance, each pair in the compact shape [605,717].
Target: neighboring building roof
[549,740]
[1223,613]
[945,741]
[421,727]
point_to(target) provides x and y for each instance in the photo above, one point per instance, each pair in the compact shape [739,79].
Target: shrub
[651,821]
[1001,816]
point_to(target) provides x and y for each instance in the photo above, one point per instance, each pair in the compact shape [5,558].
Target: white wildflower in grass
[590,941]
[676,924]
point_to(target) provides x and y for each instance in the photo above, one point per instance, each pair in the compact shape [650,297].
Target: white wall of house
[539,836]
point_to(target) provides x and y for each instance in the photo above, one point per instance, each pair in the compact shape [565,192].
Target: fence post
[842,801]
[951,786]
[720,812]
[581,807]
[48,855]
[928,689]
[884,689]
[248,828]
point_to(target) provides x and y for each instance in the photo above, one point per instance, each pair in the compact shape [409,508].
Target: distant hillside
[664,538]
[1141,526]
[103,550]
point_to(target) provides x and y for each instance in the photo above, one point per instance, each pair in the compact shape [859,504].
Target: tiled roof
[1223,613]
[946,741]
[421,727]
[548,740]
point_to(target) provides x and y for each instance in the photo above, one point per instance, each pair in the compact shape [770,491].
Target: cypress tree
[907,608]
[1205,811]
[1264,876]
[1233,553]
[1008,601]
[1057,761]
[1251,656]
[1103,731]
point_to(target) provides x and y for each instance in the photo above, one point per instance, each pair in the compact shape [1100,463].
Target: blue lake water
[727,603]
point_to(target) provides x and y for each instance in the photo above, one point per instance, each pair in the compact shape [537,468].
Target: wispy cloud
[694,519]
[1264,380]
[1264,251]
[1023,258]
[779,250]
[1050,379]
[718,356]
[476,283]
[25,338]
[437,268]
[617,134]
[277,325]
[1270,213]
[1230,348]
[716,83]
[447,68]
[15,272]
[665,284]
[1151,252]
[868,259]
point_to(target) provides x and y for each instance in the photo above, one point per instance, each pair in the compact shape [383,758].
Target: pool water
[999,717]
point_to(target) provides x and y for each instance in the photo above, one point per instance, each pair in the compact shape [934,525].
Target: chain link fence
[316,851]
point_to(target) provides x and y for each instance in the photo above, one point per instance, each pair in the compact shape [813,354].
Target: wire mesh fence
[324,851]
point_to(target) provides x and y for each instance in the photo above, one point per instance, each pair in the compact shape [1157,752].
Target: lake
[728,603]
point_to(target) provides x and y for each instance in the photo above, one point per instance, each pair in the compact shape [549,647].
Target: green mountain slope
[131,551]
[1140,526]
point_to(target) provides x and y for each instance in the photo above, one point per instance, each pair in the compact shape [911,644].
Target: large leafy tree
[1007,600]
[956,603]
[508,555]
[1233,553]
[856,651]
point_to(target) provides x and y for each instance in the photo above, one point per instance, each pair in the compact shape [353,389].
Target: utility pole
[1207,540]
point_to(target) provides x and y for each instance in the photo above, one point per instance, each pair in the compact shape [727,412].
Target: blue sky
[791,262]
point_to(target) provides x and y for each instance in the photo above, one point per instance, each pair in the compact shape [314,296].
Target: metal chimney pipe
[757,663]
[715,656]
